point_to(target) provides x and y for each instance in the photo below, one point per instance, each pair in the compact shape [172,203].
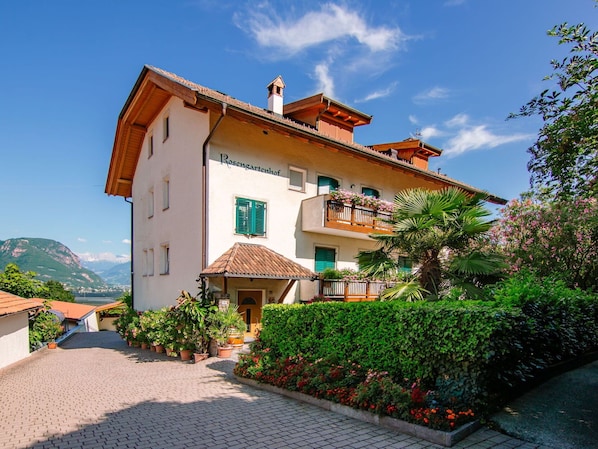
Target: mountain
[50,260]
[114,273]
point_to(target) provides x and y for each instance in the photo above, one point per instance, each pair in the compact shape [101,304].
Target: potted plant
[47,328]
[222,323]
[191,314]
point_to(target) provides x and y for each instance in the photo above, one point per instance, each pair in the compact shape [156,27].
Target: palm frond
[476,263]
[409,291]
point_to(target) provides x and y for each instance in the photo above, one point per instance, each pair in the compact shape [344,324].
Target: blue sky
[451,70]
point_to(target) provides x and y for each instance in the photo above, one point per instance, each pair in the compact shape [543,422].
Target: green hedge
[447,345]
[470,350]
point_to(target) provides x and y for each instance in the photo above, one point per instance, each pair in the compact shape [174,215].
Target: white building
[14,327]
[205,171]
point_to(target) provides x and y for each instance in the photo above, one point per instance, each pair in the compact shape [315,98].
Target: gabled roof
[246,260]
[322,104]
[70,310]
[109,306]
[11,304]
[155,87]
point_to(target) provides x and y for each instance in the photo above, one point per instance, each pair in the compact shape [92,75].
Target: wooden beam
[286,290]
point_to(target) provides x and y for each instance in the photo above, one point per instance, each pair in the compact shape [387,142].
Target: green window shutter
[258,218]
[250,217]
[405,264]
[327,183]
[325,258]
[242,225]
[370,192]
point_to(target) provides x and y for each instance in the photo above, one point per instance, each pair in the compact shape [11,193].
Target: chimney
[275,89]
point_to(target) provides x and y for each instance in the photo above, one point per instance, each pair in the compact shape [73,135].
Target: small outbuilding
[14,327]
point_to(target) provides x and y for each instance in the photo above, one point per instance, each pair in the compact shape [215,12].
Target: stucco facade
[200,166]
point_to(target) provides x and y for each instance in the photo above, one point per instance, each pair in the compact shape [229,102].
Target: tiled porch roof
[10,304]
[245,260]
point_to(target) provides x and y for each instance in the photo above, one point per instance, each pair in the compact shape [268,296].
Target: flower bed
[351,385]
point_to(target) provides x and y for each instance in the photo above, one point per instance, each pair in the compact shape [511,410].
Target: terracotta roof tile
[245,260]
[70,310]
[269,115]
[10,304]
[111,305]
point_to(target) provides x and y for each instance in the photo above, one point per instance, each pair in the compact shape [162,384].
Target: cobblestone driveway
[95,392]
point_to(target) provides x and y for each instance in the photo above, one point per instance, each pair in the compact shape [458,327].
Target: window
[150,203]
[144,262]
[164,259]
[250,217]
[166,127]
[150,262]
[326,185]
[405,264]
[297,179]
[367,191]
[165,193]
[150,146]
[325,258]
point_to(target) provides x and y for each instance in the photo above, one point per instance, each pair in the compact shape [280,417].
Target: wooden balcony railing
[352,291]
[356,218]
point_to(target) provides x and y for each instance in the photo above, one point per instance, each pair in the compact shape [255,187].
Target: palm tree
[437,230]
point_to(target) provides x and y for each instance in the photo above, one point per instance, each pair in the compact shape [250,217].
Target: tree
[56,291]
[20,283]
[564,158]
[557,240]
[439,231]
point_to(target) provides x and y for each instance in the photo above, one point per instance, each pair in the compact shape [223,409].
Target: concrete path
[562,412]
[95,392]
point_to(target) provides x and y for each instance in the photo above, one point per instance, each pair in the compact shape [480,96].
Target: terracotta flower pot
[225,352]
[144,345]
[186,354]
[200,356]
[159,349]
[52,345]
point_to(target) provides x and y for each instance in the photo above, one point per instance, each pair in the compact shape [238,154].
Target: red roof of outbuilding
[10,304]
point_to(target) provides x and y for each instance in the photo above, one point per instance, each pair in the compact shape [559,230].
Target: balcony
[323,215]
[352,291]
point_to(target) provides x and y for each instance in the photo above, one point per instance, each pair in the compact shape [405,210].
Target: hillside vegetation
[51,260]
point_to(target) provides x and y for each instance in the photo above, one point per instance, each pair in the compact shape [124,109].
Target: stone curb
[443,438]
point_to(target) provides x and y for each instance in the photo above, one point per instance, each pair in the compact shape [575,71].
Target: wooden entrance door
[250,306]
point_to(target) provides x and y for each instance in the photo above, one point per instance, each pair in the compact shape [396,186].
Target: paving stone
[96,392]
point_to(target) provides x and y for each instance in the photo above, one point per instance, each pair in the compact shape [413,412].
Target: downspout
[132,253]
[204,189]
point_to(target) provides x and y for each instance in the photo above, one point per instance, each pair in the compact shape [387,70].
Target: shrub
[562,322]
[552,239]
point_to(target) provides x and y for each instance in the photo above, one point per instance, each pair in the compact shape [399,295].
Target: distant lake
[95,300]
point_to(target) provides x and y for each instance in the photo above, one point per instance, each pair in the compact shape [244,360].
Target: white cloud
[109,257]
[126,241]
[430,131]
[378,94]
[343,37]
[457,120]
[81,239]
[435,93]
[330,23]
[325,83]
[413,120]
[476,137]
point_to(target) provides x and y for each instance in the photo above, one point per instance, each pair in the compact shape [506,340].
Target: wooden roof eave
[119,181]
